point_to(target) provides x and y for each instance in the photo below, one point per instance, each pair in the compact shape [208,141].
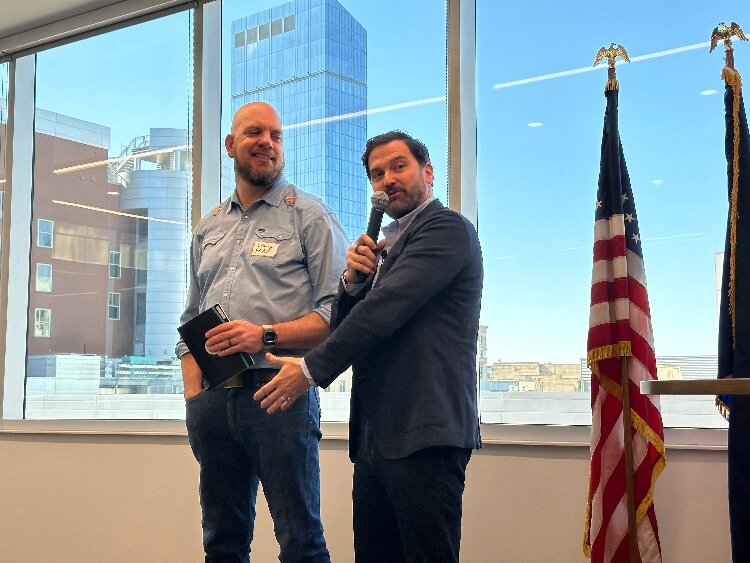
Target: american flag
[620,328]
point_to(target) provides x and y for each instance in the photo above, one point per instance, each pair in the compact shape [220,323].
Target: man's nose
[265,138]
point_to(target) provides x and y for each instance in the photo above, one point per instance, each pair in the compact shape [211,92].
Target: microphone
[379,202]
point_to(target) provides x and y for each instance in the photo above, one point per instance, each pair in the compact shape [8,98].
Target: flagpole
[611,53]
[734,340]
[627,423]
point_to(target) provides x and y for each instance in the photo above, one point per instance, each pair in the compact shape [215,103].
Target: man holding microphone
[409,329]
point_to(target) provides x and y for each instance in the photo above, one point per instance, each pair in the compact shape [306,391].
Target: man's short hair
[416,147]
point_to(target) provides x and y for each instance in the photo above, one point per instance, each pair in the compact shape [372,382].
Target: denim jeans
[408,509]
[237,444]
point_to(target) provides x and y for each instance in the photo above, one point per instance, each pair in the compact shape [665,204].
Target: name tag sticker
[261,248]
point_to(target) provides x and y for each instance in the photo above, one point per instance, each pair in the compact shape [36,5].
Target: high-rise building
[308,58]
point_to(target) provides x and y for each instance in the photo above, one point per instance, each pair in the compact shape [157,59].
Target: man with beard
[410,333]
[271,256]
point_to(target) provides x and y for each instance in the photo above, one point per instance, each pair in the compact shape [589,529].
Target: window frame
[47,323]
[461,23]
[37,278]
[51,233]
[113,295]
[117,264]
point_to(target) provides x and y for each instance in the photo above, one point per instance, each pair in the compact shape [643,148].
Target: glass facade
[308,58]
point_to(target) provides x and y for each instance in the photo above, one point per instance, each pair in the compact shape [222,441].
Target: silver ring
[284,399]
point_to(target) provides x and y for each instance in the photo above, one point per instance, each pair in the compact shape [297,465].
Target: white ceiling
[22,15]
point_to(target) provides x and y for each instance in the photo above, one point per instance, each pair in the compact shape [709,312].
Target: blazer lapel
[393,253]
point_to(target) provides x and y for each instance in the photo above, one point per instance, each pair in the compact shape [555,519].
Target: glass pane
[111,201]
[540,129]
[338,73]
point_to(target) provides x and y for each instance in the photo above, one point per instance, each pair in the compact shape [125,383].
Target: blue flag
[734,314]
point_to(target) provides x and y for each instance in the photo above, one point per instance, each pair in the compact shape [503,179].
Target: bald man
[271,256]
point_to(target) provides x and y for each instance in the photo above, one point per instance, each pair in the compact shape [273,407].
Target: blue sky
[537,232]
[536,185]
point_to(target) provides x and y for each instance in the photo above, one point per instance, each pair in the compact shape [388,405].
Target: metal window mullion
[207,111]
[462,122]
[16,241]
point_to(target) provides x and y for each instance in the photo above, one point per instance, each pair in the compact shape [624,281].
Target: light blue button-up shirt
[276,261]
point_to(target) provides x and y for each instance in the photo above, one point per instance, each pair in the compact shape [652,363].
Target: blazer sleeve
[434,252]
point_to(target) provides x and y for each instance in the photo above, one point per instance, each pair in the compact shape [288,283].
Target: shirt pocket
[210,241]
[273,246]
[210,255]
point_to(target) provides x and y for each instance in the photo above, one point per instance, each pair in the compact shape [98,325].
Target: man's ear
[229,144]
[428,174]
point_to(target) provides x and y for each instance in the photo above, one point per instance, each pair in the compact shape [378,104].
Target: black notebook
[216,370]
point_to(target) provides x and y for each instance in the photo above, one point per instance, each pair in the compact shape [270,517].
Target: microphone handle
[373,225]
[373,229]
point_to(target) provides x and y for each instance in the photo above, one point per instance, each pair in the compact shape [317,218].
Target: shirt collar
[394,229]
[272,196]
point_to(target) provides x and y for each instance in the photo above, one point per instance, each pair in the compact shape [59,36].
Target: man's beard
[254,177]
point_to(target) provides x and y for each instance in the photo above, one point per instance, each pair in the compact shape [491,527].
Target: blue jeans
[237,444]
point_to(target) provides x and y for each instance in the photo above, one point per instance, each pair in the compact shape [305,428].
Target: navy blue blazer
[412,340]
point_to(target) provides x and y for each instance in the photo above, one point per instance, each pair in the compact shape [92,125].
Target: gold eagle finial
[722,32]
[611,53]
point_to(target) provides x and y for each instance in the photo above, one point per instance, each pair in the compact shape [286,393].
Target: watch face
[269,337]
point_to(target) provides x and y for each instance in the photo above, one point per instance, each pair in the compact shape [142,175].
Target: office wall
[91,498]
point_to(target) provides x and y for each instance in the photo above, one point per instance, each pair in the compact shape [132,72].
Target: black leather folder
[216,370]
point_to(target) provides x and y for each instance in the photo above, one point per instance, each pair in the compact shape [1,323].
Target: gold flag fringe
[594,356]
[612,84]
[723,408]
[734,81]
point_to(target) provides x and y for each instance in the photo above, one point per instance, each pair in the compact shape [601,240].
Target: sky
[536,184]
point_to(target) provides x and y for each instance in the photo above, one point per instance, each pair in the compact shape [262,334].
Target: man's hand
[235,336]
[192,377]
[362,257]
[286,387]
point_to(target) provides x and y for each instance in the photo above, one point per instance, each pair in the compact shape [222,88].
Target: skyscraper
[308,58]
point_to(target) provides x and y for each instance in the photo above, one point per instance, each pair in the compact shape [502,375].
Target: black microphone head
[379,200]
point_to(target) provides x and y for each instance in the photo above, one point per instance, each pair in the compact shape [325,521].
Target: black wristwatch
[269,337]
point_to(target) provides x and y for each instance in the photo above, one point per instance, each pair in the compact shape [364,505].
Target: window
[316,75]
[539,135]
[140,308]
[114,264]
[112,190]
[276,27]
[42,323]
[289,23]
[44,233]
[113,306]
[263,31]
[44,277]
